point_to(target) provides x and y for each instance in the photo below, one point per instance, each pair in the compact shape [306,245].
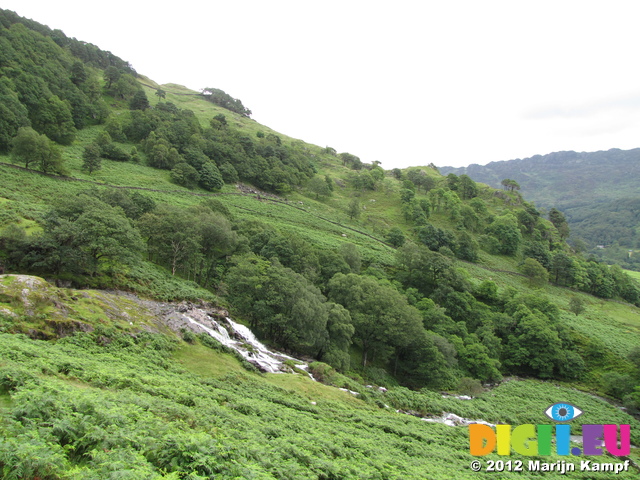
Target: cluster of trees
[82,235]
[520,232]
[223,99]
[106,232]
[591,276]
[354,163]
[348,159]
[36,150]
[509,184]
[286,308]
[319,302]
[122,85]
[37,88]
[442,200]
[593,189]
[104,147]
[321,187]
[421,179]
[463,185]
[192,242]
[367,179]
[611,225]
[173,139]
[547,256]
[491,332]
[626,385]
[46,87]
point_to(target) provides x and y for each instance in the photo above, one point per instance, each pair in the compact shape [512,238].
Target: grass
[314,391]
[44,190]
[205,362]
[634,275]
[310,226]
[5,401]
[190,412]
[615,325]
[47,311]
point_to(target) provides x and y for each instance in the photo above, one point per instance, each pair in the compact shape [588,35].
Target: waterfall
[241,339]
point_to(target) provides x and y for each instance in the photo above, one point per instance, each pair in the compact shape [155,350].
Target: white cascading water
[453,420]
[249,346]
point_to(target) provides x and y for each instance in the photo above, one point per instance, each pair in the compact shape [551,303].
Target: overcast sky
[402,82]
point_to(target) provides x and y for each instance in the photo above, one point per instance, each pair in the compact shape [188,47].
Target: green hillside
[117,402]
[147,197]
[597,191]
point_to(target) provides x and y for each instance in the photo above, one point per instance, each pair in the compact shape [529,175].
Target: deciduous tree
[560,222]
[13,114]
[185,175]
[89,233]
[91,158]
[353,210]
[505,229]
[32,148]
[210,177]
[382,319]
[537,274]
[319,186]
[139,101]
[576,305]
[467,188]
[510,185]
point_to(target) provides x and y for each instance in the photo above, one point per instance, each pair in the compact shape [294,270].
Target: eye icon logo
[563,412]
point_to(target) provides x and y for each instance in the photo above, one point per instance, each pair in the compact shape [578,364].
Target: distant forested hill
[598,192]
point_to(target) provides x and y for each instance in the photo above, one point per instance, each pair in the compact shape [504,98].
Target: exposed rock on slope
[32,306]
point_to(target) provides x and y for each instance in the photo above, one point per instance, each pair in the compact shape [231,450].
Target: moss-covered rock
[32,306]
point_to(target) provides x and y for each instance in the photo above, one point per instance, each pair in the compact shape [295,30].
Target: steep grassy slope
[121,402]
